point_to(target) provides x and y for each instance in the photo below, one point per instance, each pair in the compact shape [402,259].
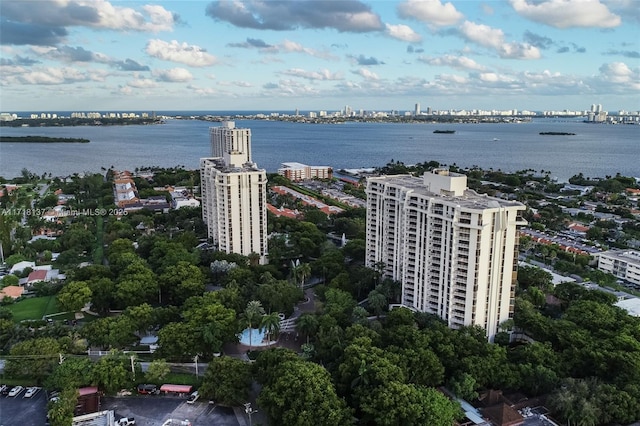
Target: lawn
[34,308]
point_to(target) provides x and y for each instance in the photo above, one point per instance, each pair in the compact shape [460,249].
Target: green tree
[302,394]
[271,323]
[33,358]
[253,316]
[178,340]
[158,369]
[227,381]
[181,281]
[10,279]
[75,295]
[72,373]
[113,372]
[400,404]
[61,411]
[307,325]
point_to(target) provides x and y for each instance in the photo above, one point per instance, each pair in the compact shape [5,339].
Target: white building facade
[234,194]
[453,251]
[624,264]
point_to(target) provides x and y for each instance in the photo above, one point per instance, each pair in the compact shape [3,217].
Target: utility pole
[249,411]
[195,359]
[133,370]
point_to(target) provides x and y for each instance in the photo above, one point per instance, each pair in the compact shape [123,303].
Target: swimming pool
[257,337]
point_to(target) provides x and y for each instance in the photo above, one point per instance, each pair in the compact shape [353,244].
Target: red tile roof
[38,275]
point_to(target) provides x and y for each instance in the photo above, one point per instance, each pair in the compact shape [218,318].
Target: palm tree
[271,323]
[252,316]
[377,301]
[307,324]
[303,270]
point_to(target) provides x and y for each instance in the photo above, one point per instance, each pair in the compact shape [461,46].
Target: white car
[16,391]
[31,391]
[193,397]
[126,421]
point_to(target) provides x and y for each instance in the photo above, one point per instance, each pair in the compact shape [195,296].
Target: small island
[448,132]
[557,134]
[41,139]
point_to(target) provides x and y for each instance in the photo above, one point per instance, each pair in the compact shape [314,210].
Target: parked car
[2,388]
[148,389]
[172,422]
[16,391]
[126,421]
[31,392]
[124,392]
[193,397]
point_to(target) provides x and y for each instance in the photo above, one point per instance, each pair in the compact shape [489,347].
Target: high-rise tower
[234,194]
[453,251]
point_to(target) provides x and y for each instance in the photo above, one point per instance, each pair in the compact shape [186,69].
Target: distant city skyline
[99,55]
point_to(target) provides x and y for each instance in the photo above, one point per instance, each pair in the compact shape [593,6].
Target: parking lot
[19,410]
[151,410]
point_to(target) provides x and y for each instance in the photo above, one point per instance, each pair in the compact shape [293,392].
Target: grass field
[34,308]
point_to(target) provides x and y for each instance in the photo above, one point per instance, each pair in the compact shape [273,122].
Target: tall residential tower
[454,251]
[234,194]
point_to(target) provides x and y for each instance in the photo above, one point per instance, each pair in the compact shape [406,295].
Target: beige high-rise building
[234,194]
[454,251]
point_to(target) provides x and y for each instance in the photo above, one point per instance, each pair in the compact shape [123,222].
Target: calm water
[595,150]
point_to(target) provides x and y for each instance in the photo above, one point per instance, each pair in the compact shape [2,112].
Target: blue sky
[86,55]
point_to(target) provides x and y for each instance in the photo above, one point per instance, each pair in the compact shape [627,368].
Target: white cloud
[49,75]
[183,53]
[313,75]
[293,47]
[493,38]
[619,72]
[403,32]
[460,62]
[173,75]
[568,13]
[125,18]
[142,83]
[453,78]
[367,74]
[431,12]
[481,34]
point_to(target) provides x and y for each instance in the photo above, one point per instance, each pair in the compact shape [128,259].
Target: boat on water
[557,134]
[444,131]
[496,139]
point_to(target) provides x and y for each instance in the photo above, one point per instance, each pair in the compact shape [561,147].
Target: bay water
[596,150]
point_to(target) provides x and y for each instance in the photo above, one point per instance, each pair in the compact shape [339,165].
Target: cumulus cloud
[363,60]
[183,53]
[51,76]
[173,75]
[45,23]
[431,12]
[142,83]
[289,46]
[344,15]
[251,43]
[402,32]
[633,54]
[366,74]
[19,61]
[539,41]
[18,33]
[620,73]
[493,38]
[567,13]
[460,62]
[130,65]
[312,75]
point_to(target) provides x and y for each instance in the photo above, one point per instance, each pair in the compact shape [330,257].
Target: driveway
[19,410]
[154,410]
